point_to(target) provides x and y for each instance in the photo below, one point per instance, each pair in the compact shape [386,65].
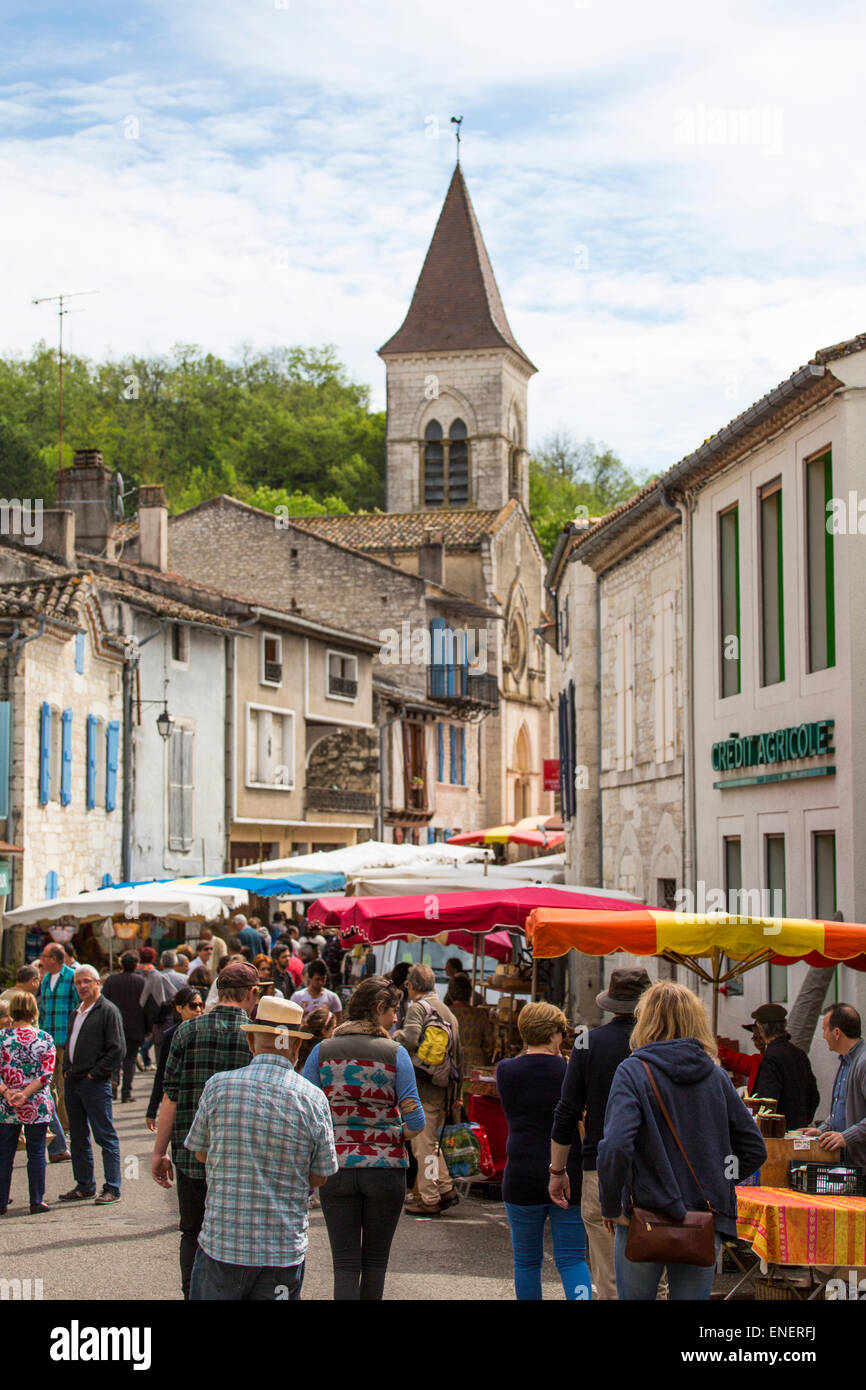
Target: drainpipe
[683,508]
[13,645]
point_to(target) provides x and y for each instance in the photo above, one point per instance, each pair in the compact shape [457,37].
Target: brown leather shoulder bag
[654,1237]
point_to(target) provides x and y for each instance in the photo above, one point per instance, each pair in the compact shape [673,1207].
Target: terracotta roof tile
[456,303]
[461,529]
[57,598]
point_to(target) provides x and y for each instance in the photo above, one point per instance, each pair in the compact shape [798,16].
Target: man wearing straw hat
[266,1137]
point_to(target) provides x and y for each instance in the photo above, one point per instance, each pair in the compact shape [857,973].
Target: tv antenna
[60,301]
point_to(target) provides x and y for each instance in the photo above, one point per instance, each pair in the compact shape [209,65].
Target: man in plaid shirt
[267,1137]
[199,1048]
[57,1001]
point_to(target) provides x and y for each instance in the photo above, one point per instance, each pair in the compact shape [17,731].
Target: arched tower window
[446,465]
[514,461]
[434,466]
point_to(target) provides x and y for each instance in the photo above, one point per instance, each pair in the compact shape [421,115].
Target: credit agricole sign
[763,752]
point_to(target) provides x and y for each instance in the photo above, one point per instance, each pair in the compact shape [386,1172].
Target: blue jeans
[638,1281]
[57,1142]
[216,1280]
[34,1136]
[88,1104]
[569,1249]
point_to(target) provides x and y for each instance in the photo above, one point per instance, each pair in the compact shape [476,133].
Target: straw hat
[277,1016]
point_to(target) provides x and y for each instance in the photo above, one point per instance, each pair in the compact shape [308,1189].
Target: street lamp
[164,723]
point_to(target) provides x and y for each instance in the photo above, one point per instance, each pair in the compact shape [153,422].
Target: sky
[672,195]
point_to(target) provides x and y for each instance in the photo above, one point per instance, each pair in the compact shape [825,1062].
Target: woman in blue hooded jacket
[638,1158]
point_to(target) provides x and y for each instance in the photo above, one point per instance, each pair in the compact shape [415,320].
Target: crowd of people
[285,1073]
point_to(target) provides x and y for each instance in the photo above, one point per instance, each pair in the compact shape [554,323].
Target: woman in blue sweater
[638,1157]
[370,1084]
[529,1087]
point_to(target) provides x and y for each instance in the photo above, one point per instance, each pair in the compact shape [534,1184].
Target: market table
[800,1228]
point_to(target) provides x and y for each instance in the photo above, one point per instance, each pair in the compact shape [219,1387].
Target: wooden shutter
[66,758]
[44,754]
[187,787]
[453,754]
[462,733]
[112,748]
[437,657]
[90,798]
[440,733]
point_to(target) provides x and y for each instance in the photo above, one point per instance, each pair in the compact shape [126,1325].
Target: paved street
[129,1251]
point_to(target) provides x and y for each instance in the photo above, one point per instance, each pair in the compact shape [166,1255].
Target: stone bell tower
[457,380]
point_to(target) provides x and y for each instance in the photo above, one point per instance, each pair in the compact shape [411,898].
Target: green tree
[571,478]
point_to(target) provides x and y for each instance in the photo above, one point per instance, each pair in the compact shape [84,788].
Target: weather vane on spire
[458,121]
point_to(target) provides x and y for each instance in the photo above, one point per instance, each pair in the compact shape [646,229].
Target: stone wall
[347,759]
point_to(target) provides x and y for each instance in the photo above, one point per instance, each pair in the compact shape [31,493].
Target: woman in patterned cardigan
[370,1084]
[27,1056]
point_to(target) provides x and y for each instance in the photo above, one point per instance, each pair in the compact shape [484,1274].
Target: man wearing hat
[744,1063]
[199,1048]
[785,1074]
[591,1066]
[266,1137]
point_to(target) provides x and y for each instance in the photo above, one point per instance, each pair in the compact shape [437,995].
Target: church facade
[457,515]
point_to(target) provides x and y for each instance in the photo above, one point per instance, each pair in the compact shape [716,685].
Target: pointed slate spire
[456,303]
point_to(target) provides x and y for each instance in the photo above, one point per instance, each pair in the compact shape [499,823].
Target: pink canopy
[496,943]
[429,914]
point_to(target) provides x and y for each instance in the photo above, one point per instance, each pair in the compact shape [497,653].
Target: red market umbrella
[526,832]
[429,914]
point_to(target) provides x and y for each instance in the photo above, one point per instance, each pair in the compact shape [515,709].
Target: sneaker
[106,1196]
[448,1199]
[421,1209]
[65,1157]
[76,1195]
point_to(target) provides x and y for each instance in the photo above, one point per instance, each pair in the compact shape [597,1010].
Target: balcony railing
[456,686]
[274,671]
[337,685]
[326,799]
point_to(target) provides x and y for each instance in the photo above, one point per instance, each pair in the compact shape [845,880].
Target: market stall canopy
[371,854]
[383,918]
[531,830]
[231,897]
[149,900]
[439,878]
[687,937]
[497,943]
[266,887]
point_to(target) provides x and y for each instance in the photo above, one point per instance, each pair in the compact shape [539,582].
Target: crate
[773,1288]
[827,1179]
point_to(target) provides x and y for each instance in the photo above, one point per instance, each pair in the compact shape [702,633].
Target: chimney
[58,535]
[431,557]
[153,527]
[87,489]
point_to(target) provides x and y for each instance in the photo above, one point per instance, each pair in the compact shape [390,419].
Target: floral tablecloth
[800,1228]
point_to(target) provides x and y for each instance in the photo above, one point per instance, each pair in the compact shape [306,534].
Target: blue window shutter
[112,737]
[4,758]
[445,835]
[431,835]
[51,883]
[79,653]
[441,734]
[462,658]
[449,660]
[66,758]
[437,657]
[462,732]
[45,754]
[92,722]
[453,753]
[107,881]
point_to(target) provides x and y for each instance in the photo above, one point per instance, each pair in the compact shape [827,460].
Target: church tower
[457,380]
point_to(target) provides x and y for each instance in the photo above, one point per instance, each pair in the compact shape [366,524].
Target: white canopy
[434,878]
[372,854]
[152,899]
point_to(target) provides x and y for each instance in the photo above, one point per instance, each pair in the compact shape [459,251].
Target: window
[180,643]
[270,747]
[772,585]
[729,596]
[458,755]
[775,874]
[819,566]
[624,692]
[567,752]
[56,752]
[180,787]
[517,646]
[733,848]
[79,653]
[824,874]
[440,752]
[272,660]
[112,755]
[342,676]
[663,677]
[414,767]
[446,465]
[449,659]
[66,758]
[666,893]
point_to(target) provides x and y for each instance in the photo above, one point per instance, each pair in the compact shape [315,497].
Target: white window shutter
[253,745]
[619,691]
[668,667]
[629,691]
[265,741]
